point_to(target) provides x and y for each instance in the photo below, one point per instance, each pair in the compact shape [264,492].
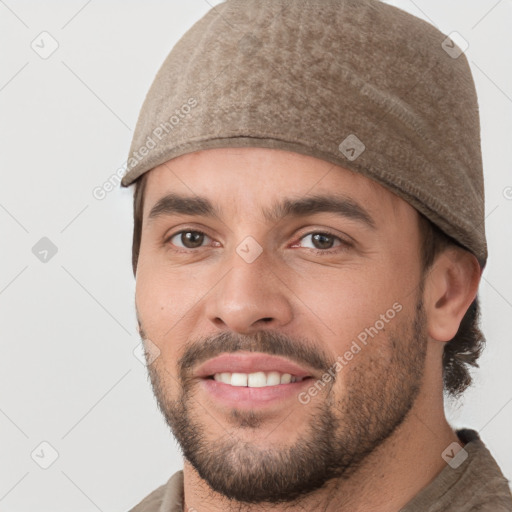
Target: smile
[256,379]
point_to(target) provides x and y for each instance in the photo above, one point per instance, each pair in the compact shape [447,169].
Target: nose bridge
[250,292]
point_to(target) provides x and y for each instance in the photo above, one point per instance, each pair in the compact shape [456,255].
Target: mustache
[301,351]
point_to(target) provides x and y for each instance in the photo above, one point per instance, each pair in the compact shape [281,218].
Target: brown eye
[323,241]
[188,239]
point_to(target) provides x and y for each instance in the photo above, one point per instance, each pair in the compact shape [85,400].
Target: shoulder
[152,502]
[483,483]
[498,504]
[168,497]
[473,482]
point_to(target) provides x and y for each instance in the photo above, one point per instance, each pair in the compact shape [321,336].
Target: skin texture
[371,438]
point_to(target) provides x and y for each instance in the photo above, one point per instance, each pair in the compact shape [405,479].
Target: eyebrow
[343,206]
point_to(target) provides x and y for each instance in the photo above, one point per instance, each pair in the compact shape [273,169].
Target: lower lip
[245,397]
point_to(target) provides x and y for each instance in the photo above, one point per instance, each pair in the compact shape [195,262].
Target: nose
[249,297]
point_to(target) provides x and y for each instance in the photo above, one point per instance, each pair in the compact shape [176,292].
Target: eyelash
[344,245]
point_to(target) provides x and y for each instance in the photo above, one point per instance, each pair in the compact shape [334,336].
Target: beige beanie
[358,83]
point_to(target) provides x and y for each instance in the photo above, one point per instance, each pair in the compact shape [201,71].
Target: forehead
[246,178]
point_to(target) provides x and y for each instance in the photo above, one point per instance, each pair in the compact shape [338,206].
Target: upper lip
[250,362]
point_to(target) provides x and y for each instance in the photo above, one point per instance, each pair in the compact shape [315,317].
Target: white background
[68,375]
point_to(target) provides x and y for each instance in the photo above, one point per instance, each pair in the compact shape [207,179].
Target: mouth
[253,370]
[248,380]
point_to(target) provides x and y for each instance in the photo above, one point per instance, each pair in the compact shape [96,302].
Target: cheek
[352,302]
[155,300]
[166,301]
[155,313]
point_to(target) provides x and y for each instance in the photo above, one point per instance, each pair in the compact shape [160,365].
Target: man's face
[332,298]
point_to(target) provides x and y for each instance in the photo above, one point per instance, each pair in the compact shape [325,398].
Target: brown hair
[459,353]
[138,209]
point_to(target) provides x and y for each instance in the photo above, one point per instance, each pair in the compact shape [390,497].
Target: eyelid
[180,228]
[167,239]
[344,243]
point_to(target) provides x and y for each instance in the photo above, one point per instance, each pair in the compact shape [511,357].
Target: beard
[339,431]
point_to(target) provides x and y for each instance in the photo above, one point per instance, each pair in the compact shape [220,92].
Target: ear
[451,286]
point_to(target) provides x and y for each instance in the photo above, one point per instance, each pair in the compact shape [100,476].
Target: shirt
[475,484]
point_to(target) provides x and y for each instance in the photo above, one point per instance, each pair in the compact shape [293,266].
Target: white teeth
[273,378]
[239,379]
[226,378]
[286,378]
[223,377]
[256,380]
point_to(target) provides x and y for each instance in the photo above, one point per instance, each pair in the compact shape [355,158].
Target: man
[308,243]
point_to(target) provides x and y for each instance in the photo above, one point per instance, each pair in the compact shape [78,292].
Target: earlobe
[450,287]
